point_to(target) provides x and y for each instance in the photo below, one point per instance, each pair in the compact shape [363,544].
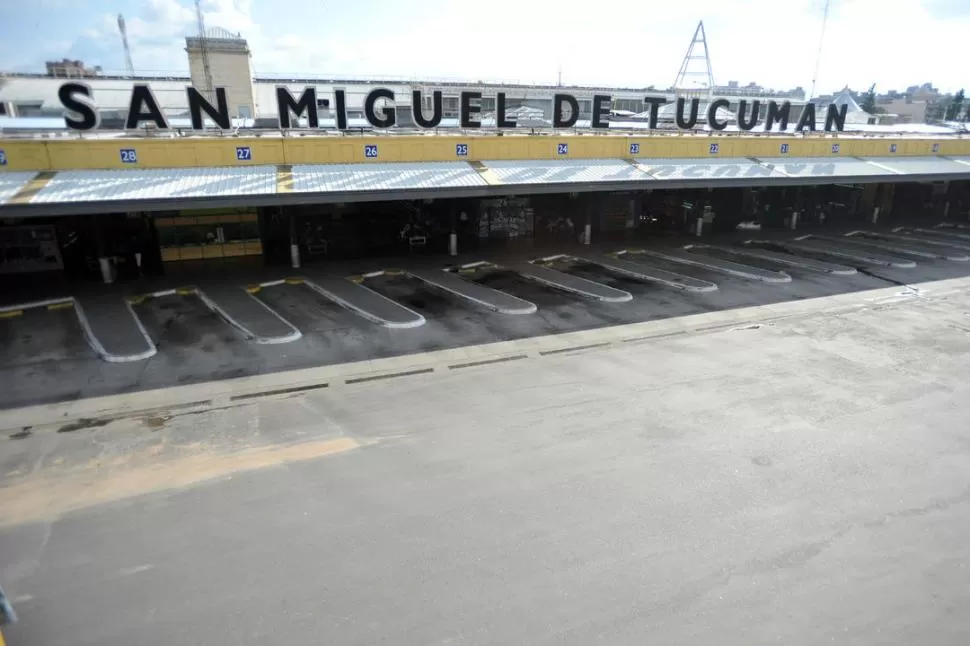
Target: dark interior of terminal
[166,242]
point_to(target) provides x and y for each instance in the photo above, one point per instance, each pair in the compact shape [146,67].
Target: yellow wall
[202,152]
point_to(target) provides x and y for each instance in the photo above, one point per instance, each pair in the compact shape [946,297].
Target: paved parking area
[46,357]
[798,483]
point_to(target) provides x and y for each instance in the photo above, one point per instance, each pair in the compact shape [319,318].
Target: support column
[875,215]
[294,242]
[104,262]
[794,220]
[453,236]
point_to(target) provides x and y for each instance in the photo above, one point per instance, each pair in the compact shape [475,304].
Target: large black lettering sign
[81,112]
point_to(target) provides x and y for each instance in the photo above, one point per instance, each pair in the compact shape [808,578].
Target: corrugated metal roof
[12,182]
[922,165]
[157,184]
[825,167]
[559,171]
[704,169]
[337,178]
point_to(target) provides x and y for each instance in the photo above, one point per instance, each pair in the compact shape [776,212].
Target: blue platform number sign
[562,149]
[715,148]
[3,158]
[129,156]
[461,150]
[835,149]
[244,153]
[370,151]
[892,148]
[634,149]
[936,149]
[784,149]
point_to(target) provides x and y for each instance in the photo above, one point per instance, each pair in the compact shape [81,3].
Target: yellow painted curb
[61,306]
[253,289]
[185,291]
[9,314]
[356,279]
[295,281]
[137,300]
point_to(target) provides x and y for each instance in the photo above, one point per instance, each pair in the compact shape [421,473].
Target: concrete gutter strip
[411,319]
[89,336]
[487,297]
[787,259]
[627,267]
[723,266]
[293,335]
[807,244]
[906,249]
[572,284]
[223,393]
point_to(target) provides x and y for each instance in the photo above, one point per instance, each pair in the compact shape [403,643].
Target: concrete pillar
[453,237]
[794,220]
[946,209]
[294,244]
[107,270]
[875,215]
[699,227]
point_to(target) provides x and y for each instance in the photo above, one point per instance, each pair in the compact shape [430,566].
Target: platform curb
[245,389]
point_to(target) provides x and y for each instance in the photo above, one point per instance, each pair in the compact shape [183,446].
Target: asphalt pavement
[800,482]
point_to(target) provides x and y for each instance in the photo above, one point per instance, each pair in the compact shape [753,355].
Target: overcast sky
[893,43]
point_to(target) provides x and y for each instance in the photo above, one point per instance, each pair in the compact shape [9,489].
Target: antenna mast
[821,41]
[683,76]
[129,66]
[204,48]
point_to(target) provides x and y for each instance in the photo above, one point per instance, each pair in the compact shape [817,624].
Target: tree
[869,100]
[955,108]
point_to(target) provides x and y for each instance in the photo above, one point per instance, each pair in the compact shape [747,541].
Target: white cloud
[631,44]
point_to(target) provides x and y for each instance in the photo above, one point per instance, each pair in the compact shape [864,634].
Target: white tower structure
[695,78]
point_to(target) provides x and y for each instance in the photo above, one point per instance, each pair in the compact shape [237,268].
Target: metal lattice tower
[129,66]
[694,78]
[204,50]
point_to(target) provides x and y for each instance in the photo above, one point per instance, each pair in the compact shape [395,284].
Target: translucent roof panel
[559,171]
[339,178]
[825,167]
[11,183]
[922,165]
[705,169]
[157,184]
